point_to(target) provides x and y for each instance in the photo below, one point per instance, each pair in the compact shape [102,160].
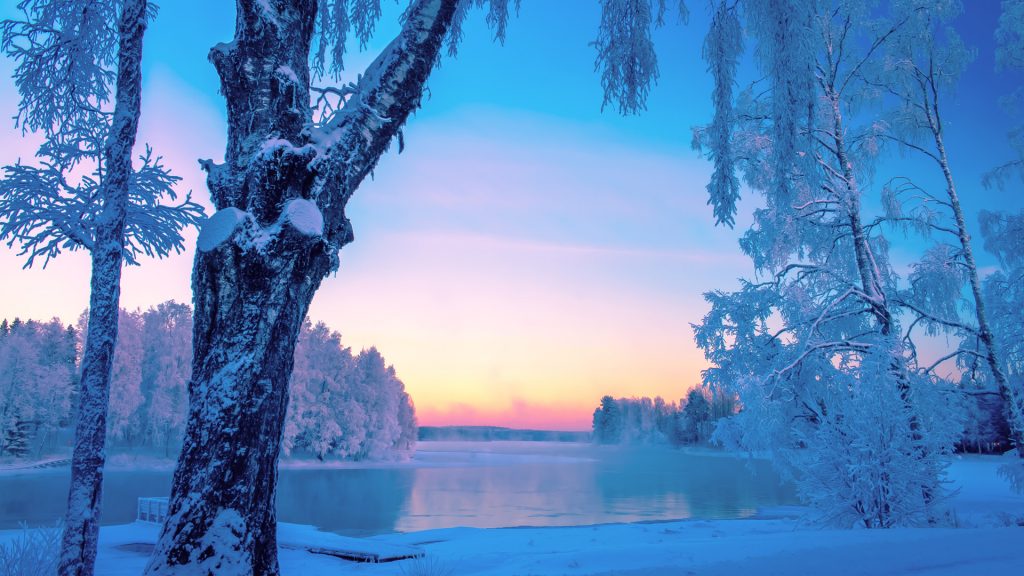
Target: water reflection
[40,499]
[483,485]
[655,483]
[523,494]
[354,502]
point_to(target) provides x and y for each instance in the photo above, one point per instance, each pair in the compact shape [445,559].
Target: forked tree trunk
[281,196]
[81,524]
[871,284]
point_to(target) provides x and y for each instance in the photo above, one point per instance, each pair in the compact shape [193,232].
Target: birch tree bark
[1014,404]
[281,196]
[81,524]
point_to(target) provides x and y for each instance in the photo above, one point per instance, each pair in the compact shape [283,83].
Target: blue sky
[528,252]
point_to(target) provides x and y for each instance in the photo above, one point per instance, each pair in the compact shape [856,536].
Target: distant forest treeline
[693,419]
[343,405]
[654,421]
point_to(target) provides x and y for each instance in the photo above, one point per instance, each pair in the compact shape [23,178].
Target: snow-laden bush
[34,552]
[1013,472]
[860,451]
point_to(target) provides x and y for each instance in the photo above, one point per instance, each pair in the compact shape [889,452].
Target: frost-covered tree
[696,415]
[607,426]
[321,402]
[923,61]
[165,370]
[807,344]
[407,424]
[646,421]
[37,365]
[377,388]
[79,76]
[1004,292]
[124,418]
[344,406]
[1010,58]
[57,356]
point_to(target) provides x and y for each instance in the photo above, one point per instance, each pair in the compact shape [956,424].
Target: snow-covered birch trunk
[870,277]
[281,196]
[81,525]
[1011,398]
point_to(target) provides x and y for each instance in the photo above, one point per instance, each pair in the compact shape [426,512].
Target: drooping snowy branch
[625,54]
[785,31]
[722,48]
[336,19]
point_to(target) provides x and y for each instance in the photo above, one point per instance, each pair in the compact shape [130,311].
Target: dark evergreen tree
[608,422]
[697,415]
[16,437]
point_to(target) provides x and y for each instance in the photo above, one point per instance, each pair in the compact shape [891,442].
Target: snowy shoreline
[763,547]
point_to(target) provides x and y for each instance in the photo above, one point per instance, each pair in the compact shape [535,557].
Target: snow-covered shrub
[832,398]
[34,552]
[866,455]
[875,480]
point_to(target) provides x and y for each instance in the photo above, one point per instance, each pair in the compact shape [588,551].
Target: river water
[479,484]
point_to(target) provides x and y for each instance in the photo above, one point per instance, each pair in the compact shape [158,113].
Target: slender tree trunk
[281,196]
[81,525]
[1013,403]
[871,283]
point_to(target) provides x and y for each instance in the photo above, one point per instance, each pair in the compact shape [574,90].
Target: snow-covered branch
[722,47]
[625,54]
[348,146]
[44,215]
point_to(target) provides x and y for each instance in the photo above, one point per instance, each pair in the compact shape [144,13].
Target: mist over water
[479,484]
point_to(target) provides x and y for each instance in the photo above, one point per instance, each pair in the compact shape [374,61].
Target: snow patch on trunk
[304,216]
[287,72]
[219,227]
[219,551]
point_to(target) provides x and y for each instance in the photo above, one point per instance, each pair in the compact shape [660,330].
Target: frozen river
[480,484]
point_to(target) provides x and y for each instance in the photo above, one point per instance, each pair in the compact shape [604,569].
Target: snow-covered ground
[987,540]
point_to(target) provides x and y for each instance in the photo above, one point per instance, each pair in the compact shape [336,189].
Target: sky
[528,252]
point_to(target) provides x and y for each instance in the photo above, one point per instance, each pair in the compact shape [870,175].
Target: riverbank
[987,517]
